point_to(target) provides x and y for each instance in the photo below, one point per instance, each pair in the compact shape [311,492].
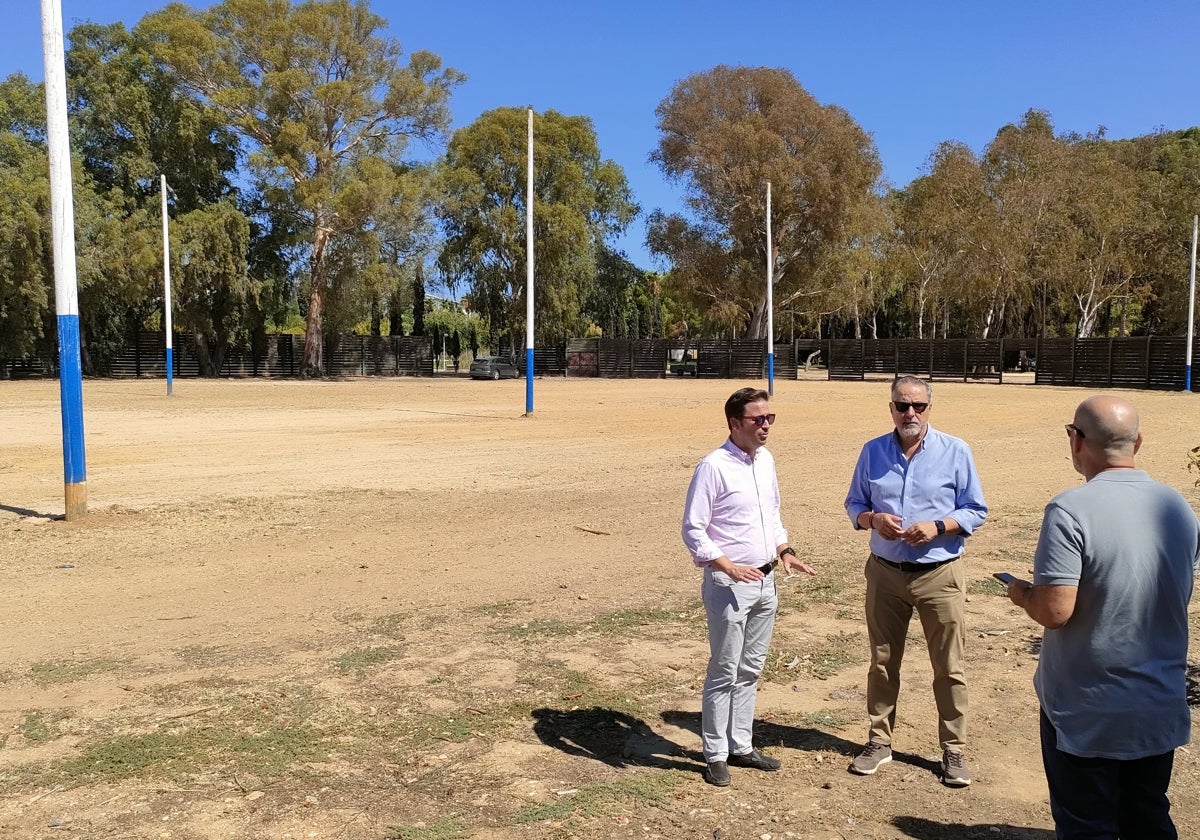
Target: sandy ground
[402,609]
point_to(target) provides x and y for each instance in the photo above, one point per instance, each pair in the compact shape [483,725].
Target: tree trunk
[419,300]
[313,365]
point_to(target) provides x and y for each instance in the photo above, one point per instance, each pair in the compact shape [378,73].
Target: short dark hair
[735,406]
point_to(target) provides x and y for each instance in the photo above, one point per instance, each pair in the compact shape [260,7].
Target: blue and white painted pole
[167,326]
[529,274]
[1191,310]
[770,301]
[66,291]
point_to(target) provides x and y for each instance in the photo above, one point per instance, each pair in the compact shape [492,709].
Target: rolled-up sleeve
[970,509]
[858,498]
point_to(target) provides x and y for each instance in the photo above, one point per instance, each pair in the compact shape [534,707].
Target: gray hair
[913,380]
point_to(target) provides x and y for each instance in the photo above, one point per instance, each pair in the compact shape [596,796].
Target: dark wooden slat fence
[1146,362]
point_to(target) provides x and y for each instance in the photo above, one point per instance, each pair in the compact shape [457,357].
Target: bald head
[1110,429]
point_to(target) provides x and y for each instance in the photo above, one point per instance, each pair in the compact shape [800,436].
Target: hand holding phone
[1003,577]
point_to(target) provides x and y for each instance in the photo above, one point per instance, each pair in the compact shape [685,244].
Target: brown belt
[912,568]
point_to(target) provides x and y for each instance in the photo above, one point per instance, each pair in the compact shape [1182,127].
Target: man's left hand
[794,564]
[920,533]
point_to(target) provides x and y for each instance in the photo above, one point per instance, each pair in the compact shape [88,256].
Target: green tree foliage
[724,134]
[580,200]
[324,105]
[214,296]
[25,271]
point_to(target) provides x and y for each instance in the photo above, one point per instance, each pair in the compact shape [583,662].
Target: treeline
[303,197]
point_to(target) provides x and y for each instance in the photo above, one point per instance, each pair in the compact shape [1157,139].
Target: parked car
[493,367]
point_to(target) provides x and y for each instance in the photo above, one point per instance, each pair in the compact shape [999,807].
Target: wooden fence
[1147,362]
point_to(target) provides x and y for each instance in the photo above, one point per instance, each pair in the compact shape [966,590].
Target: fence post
[964,360]
[1110,354]
[1000,366]
[1074,344]
[1148,339]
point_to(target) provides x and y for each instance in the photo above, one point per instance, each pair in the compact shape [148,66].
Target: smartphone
[1004,577]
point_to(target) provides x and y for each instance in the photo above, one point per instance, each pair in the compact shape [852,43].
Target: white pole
[529,273]
[770,301]
[66,282]
[168,329]
[1191,308]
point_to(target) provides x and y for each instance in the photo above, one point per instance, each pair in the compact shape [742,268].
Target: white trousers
[741,617]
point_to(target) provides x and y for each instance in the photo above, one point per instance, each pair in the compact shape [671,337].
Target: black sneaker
[754,759]
[717,773]
[873,755]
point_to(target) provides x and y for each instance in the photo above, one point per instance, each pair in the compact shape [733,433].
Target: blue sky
[911,73]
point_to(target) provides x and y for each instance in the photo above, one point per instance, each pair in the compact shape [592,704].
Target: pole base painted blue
[529,380]
[1187,379]
[771,374]
[70,386]
[170,370]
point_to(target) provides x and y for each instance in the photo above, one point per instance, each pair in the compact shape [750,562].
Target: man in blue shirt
[918,492]
[1112,576]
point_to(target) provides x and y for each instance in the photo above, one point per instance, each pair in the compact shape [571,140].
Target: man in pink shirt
[732,528]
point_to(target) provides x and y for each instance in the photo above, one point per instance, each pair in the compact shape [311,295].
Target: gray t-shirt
[1112,679]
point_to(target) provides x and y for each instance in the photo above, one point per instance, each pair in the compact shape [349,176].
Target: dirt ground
[402,609]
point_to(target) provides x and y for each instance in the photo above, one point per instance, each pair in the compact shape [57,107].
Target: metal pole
[1187,386]
[770,302]
[168,328]
[529,274]
[66,283]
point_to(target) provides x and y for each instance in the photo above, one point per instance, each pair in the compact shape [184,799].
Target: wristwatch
[940,525]
[788,550]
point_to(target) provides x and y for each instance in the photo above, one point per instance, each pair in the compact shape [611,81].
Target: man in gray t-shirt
[1112,577]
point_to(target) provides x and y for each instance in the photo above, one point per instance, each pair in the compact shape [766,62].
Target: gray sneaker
[872,756]
[955,772]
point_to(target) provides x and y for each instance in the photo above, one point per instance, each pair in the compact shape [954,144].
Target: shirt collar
[739,453]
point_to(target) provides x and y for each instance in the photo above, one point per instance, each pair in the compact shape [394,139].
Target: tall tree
[580,200]
[323,102]
[726,132]
[25,273]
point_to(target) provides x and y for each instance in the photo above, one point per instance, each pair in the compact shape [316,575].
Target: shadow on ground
[615,738]
[924,829]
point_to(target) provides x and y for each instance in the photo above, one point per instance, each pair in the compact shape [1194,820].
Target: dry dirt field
[402,609]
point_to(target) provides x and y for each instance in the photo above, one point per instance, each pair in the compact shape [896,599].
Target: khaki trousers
[939,597]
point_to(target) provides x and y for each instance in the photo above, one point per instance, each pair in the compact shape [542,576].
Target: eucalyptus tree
[132,123]
[325,107]
[25,269]
[214,294]
[1103,242]
[580,200]
[726,132]
[1025,167]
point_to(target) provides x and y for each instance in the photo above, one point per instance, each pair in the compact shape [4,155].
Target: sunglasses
[903,407]
[1072,429]
[761,419]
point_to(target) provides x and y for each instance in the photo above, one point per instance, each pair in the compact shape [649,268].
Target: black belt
[769,567]
[917,568]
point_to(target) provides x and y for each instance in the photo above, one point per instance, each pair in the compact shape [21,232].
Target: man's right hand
[888,525]
[742,574]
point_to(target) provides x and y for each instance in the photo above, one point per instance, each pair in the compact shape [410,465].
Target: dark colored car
[493,367]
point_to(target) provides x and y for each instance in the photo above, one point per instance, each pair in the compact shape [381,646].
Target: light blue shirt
[939,482]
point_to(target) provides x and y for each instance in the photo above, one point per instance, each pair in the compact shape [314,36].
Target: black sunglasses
[903,407]
[1072,429]
[760,419]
